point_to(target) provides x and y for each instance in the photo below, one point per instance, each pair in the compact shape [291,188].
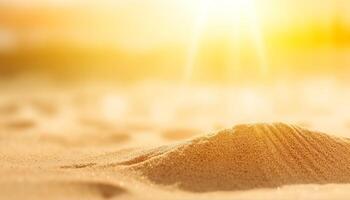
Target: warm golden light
[184,40]
[198,28]
[238,18]
[186,99]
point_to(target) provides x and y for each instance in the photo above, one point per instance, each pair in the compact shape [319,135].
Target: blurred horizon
[132,40]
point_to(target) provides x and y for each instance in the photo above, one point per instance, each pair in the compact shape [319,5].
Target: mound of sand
[248,157]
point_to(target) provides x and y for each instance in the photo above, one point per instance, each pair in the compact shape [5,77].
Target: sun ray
[257,36]
[235,51]
[243,16]
[199,25]
[240,17]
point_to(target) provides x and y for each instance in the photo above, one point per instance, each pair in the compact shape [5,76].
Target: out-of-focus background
[202,64]
[130,40]
[97,95]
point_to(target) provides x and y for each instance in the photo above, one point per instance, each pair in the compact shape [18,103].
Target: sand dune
[248,157]
[68,144]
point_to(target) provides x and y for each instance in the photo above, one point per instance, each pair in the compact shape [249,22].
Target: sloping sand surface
[248,157]
[112,145]
[62,190]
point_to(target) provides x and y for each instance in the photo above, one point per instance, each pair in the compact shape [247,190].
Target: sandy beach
[65,144]
[174,100]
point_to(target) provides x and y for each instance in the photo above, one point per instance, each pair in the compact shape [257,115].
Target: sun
[232,10]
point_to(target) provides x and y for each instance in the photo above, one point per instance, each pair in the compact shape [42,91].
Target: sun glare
[243,19]
[197,31]
[240,19]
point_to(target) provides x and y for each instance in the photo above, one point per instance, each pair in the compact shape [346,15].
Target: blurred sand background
[67,142]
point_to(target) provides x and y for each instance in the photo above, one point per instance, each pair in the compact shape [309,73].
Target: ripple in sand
[248,157]
[65,190]
[46,107]
[78,166]
[87,139]
[9,108]
[21,124]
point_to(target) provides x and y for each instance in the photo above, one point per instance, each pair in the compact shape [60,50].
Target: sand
[249,157]
[69,146]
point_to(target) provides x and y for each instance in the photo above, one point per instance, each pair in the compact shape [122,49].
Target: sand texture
[76,143]
[249,157]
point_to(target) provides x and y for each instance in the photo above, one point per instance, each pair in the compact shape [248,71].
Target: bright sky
[135,23]
[186,33]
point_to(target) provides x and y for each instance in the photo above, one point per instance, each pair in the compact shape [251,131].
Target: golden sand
[248,157]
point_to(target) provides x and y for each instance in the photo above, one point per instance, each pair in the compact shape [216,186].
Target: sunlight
[198,28]
[113,107]
[257,37]
[240,19]
[243,18]
[250,101]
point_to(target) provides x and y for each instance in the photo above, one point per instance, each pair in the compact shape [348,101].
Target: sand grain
[248,157]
